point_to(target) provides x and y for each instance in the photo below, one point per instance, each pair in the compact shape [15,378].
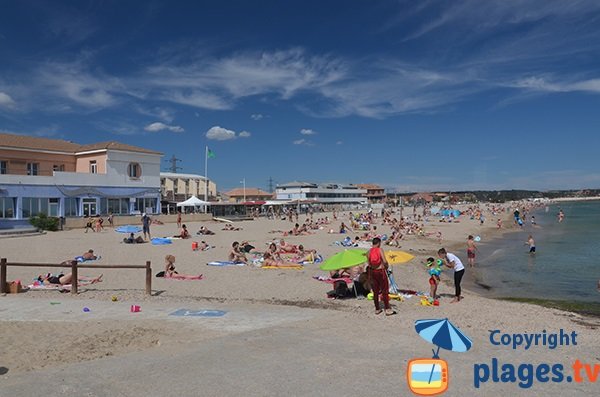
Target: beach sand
[274,302]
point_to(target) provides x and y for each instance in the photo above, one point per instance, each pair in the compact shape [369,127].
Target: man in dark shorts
[146,221]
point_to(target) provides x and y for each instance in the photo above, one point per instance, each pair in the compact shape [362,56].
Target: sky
[413,95]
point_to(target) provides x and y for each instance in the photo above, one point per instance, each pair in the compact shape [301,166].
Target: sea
[566,265]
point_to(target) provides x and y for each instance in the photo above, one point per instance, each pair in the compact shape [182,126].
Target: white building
[176,187]
[61,178]
[322,193]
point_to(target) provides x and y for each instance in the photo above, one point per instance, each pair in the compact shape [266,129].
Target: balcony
[81,179]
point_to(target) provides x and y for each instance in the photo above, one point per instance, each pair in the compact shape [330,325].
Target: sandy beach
[262,304]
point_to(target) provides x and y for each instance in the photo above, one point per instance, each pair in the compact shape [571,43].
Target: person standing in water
[531,243]
[471,248]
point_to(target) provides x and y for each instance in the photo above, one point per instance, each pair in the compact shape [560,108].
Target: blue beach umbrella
[128,229]
[442,333]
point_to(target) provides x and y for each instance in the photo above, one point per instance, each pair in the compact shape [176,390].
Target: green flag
[210,154]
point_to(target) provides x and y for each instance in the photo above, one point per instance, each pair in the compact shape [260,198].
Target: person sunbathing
[65,279]
[236,255]
[204,231]
[305,255]
[231,228]
[272,252]
[287,248]
[246,247]
[89,256]
[170,271]
[269,260]
[133,240]
[184,232]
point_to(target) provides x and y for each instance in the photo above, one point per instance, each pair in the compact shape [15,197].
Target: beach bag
[375,257]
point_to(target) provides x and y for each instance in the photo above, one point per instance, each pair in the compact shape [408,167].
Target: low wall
[120,220]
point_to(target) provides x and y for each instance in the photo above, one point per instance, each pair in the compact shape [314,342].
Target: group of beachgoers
[278,254]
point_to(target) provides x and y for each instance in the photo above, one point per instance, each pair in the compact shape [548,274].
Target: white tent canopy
[193,202]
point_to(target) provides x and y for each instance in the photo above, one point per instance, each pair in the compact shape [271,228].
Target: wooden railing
[75,266]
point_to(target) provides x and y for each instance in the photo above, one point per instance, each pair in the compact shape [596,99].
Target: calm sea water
[566,265]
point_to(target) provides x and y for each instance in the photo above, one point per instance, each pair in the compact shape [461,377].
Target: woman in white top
[452,261]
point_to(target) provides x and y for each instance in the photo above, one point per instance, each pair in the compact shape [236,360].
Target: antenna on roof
[173,168]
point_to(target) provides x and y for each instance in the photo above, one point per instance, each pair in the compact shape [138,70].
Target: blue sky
[427,95]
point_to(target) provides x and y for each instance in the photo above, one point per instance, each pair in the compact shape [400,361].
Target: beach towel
[128,229]
[81,259]
[41,286]
[182,277]
[225,263]
[161,241]
[299,267]
[317,259]
[330,280]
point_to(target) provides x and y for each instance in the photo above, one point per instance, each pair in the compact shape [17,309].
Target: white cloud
[223,134]
[339,143]
[256,116]
[307,131]
[303,142]
[165,114]
[158,126]
[6,101]
[74,82]
[220,134]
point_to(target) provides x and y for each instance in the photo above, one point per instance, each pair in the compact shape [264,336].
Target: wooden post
[148,278]
[3,275]
[74,278]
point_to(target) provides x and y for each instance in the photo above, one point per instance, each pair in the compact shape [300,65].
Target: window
[57,167]
[32,168]
[7,207]
[146,205]
[93,167]
[134,170]
[70,206]
[32,206]
[3,167]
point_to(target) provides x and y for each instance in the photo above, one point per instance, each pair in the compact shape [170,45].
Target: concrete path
[264,350]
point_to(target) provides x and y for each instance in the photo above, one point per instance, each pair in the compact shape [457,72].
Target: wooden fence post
[74,278]
[148,278]
[3,275]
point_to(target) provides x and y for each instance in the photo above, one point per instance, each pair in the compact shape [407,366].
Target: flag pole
[206,178]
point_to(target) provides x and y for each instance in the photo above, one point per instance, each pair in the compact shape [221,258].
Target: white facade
[325,193]
[179,187]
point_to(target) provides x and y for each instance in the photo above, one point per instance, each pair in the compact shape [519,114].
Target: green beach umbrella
[345,259]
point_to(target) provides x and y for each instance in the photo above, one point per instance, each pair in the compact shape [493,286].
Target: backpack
[375,257]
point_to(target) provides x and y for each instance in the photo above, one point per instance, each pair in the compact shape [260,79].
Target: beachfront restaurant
[63,179]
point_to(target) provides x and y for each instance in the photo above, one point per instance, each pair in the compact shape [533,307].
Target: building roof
[369,186]
[182,176]
[115,146]
[36,143]
[297,184]
[59,145]
[250,191]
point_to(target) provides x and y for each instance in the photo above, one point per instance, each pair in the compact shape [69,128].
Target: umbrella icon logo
[429,377]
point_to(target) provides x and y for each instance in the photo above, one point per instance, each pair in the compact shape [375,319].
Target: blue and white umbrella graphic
[443,334]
